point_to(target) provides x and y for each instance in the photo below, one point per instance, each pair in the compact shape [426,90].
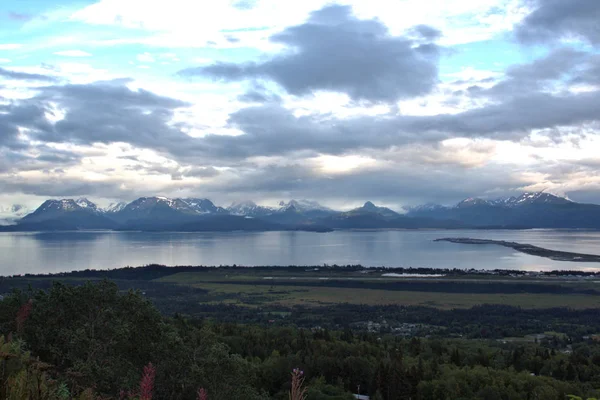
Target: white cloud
[190,23]
[177,27]
[73,72]
[10,46]
[329,164]
[73,53]
[145,58]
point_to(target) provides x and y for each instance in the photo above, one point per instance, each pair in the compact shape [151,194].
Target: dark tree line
[95,340]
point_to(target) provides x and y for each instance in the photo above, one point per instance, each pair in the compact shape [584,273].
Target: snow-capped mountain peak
[472,201]
[302,206]
[540,198]
[529,198]
[201,206]
[145,202]
[115,207]
[249,209]
[59,205]
[186,206]
[85,203]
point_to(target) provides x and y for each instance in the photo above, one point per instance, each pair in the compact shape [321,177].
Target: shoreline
[530,249]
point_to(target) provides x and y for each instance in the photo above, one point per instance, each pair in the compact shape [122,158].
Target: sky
[400,102]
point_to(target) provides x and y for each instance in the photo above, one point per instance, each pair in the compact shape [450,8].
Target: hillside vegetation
[94,341]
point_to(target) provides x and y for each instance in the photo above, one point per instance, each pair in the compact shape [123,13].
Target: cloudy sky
[396,101]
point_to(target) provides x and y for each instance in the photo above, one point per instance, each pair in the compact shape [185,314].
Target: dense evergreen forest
[95,341]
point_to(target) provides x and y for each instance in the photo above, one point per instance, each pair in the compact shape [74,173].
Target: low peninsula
[528,249]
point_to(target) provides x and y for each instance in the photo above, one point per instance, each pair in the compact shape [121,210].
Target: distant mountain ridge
[526,198]
[529,210]
[249,209]
[66,214]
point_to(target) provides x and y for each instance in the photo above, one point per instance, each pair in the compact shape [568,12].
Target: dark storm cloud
[552,20]
[336,51]
[23,76]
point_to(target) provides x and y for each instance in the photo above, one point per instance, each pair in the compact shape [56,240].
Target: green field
[321,288]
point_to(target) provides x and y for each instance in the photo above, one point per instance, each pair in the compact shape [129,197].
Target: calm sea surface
[66,251]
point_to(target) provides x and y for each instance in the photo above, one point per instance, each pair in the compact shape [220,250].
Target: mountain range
[530,210]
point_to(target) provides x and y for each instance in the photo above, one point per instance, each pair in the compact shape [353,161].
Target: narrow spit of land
[528,249]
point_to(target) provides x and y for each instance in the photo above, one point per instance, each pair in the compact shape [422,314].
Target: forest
[95,341]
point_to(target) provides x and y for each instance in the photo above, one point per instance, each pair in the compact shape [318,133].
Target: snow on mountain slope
[536,198]
[58,205]
[85,203]
[516,201]
[472,202]
[146,205]
[249,209]
[202,206]
[114,207]
[302,206]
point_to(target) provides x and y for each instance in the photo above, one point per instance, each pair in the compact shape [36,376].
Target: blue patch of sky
[491,55]
[43,36]
[163,60]
[24,14]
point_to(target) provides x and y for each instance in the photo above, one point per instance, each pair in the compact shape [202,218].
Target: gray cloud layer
[110,113]
[332,51]
[107,112]
[552,20]
[9,74]
[335,51]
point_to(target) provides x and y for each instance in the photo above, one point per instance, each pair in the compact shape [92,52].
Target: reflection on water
[64,236]
[65,251]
